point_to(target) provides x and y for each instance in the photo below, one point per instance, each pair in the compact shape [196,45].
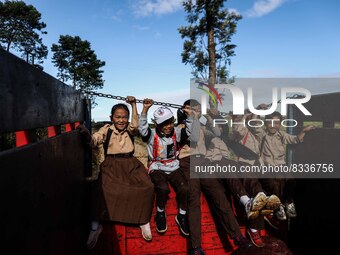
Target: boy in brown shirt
[273,153]
[193,153]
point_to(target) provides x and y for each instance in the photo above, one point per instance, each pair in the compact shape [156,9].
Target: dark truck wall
[42,184]
[317,228]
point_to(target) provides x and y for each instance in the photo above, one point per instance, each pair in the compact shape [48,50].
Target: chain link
[223,114]
[92,93]
[177,106]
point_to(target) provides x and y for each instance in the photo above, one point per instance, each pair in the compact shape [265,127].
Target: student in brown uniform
[273,152]
[246,135]
[251,138]
[194,150]
[124,192]
[272,143]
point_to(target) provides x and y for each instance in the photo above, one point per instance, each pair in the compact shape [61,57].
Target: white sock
[159,209]
[244,199]
[145,224]
[181,211]
[253,230]
[94,225]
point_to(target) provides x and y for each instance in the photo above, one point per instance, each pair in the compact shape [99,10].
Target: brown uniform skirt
[125,192]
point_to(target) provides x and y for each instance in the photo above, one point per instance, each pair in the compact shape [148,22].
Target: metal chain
[223,114]
[92,93]
[177,106]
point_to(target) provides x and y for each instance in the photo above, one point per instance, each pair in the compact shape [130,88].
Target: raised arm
[133,125]
[192,123]
[304,131]
[215,131]
[143,126]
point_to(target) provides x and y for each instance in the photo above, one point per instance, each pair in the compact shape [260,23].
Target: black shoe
[242,242]
[160,220]
[182,222]
[197,251]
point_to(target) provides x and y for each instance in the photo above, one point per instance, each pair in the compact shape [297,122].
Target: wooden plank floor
[127,240]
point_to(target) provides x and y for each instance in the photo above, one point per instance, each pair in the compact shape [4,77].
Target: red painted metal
[21,138]
[128,240]
[52,131]
[68,127]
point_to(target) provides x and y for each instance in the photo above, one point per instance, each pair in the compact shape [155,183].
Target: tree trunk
[74,80]
[211,50]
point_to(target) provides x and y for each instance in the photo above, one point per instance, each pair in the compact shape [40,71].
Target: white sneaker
[93,237]
[280,213]
[259,201]
[273,203]
[290,210]
[146,231]
[250,213]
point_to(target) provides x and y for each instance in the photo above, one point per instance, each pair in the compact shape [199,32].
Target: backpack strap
[245,138]
[107,141]
[262,144]
[244,141]
[108,137]
[155,147]
[175,143]
[155,150]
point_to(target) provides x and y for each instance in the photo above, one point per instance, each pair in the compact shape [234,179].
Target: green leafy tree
[77,62]
[34,50]
[20,29]
[207,47]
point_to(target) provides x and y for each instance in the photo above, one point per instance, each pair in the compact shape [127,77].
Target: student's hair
[181,116]
[119,106]
[274,114]
[191,102]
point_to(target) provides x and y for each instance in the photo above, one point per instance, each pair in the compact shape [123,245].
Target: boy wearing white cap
[162,143]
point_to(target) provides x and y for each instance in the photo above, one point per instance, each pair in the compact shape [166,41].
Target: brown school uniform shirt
[217,150]
[187,150]
[120,141]
[251,142]
[198,138]
[273,147]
